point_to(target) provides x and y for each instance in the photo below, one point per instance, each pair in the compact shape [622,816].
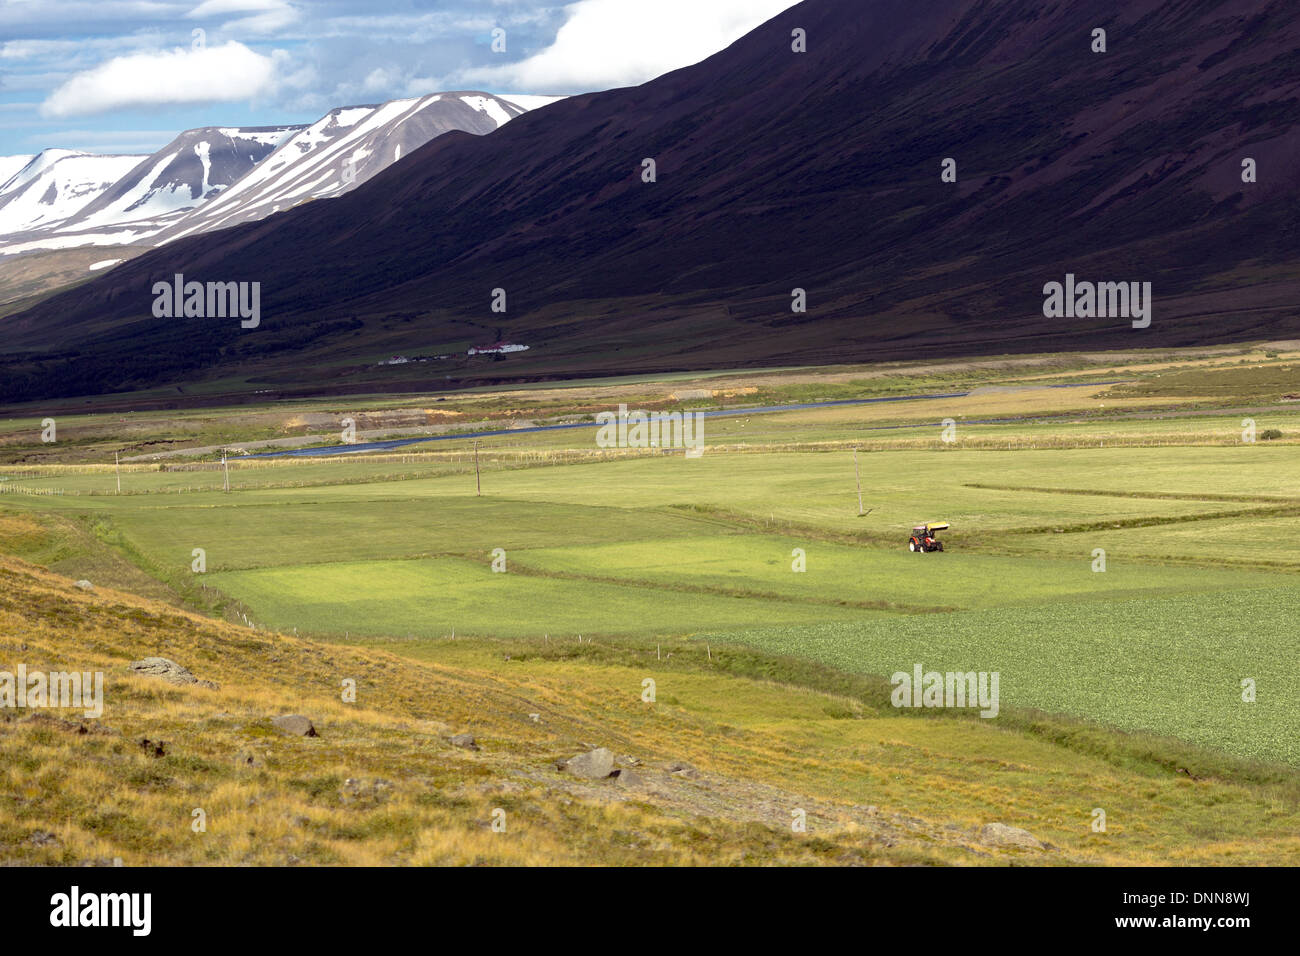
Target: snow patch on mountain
[10,166]
[489,105]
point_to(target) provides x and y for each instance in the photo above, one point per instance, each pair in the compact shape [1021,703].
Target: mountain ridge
[780,171]
[182,189]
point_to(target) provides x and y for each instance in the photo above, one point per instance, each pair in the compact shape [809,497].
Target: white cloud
[608,43]
[266,16]
[379,80]
[17,16]
[219,8]
[65,50]
[210,75]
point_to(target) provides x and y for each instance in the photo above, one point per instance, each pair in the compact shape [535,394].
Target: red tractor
[923,537]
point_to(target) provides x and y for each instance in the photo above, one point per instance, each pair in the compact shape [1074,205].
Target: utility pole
[225,467]
[478,482]
[117,465]
[858,472]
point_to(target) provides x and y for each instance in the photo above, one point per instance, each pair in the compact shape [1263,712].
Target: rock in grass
[466,741]
[594,764]
[84,585]
[999,834]
[630,779]
[295,725]
[169,671]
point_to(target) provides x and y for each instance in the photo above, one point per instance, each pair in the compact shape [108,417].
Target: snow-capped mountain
[342,150]
[53,185]
[154,191]
[215,177]
[191,169]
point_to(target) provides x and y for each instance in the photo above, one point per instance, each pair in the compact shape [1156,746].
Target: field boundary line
[1151,521]
[1155,495]
[889,606]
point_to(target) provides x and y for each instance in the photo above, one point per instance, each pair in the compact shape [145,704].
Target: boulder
[295,725]
[594,764]
[84,585]
[999,834]
[630,779]
[466,741]
[169,671]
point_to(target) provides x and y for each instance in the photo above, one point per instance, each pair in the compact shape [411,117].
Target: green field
[1171,665]
[436,598]
[1201,534]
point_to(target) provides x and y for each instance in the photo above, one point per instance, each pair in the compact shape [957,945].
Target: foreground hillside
[382,784]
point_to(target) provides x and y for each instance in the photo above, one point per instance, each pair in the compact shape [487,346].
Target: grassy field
[1171,665]
[444,596]
[759,737]
[752,563]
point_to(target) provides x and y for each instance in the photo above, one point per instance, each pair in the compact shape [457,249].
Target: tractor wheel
[911,545]
[939,546]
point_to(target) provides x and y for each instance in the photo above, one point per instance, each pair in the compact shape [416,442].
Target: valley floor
[1123,555]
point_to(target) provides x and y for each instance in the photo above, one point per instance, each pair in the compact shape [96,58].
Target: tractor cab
[924,537]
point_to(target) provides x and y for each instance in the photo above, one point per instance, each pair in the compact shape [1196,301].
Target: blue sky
[127,75]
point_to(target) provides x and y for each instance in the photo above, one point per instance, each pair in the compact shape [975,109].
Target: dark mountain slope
[779,170]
